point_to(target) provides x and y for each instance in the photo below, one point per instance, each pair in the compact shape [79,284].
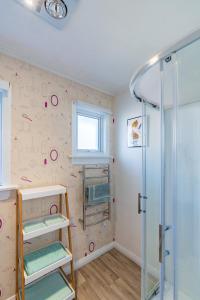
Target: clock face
[56,8]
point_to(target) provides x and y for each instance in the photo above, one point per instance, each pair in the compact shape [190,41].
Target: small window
[90,132]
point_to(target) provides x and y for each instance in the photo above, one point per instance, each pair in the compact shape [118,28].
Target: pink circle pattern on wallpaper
[54,206]
[54,100]
[1,223]
[91,247]
[54,154]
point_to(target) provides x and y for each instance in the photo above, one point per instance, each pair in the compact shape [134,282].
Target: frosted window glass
[88,133]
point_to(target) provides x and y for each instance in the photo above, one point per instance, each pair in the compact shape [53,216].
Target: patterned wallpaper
[40,127]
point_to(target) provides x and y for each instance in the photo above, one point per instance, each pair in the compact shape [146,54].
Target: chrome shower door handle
[160,243]
[162,251]
[139,204]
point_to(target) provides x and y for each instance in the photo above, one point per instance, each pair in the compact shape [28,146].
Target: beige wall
[128,178]
[37,130]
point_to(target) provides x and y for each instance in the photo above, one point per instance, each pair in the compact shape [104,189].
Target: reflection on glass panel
[168,110]
[153,199]
[188,173]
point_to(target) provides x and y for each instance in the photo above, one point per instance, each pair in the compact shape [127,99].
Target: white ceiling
[103,42]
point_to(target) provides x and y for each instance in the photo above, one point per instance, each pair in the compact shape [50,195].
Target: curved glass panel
[172,181]
[188,173]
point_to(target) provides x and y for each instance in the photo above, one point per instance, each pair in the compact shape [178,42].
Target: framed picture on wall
[134,132]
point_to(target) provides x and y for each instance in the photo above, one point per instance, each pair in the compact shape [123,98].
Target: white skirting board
[135,259]
[89,258]
[128,254]
[12,298]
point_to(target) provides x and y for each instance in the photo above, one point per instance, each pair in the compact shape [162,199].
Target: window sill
[5,191]
[84,160]
[8,187]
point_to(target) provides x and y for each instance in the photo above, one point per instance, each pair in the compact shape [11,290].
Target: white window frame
[5,172]
[104,116]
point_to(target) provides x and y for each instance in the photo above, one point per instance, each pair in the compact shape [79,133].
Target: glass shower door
[158,190]
[150,200]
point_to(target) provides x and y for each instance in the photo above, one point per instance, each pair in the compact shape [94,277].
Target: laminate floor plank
[110,277]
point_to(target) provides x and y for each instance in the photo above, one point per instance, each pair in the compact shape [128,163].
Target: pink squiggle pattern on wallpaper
[24,178]
[27,242]
[25,116]
[73,225]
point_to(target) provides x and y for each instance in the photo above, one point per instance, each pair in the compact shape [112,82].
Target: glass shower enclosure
[169,90]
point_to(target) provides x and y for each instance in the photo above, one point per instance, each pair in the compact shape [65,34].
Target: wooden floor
[110,277]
